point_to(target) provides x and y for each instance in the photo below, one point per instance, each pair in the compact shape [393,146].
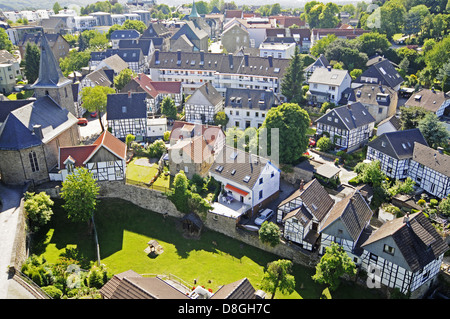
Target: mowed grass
[125,229]
[144,174]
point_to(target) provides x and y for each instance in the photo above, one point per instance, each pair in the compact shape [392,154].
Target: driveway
[11,196]
[344,175]
[93,128]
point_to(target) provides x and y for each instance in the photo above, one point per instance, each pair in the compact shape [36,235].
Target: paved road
[11,196]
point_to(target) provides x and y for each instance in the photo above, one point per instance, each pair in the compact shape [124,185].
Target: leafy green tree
[79,192]
[123,78]
[438,56]
[333,265]
[444,206]
[220,118]
[74,61]
[137,25]
[347,52]
[444,77]
[319,15]
[372,43]
[168,108]
[402,187]
[433,130]
[370,173]
[291,85]
[414,19]
[324,143]
[179,194]
[292,123]
[56,8]
[320,45]
[278,277]
[38,209]
[95,100]
[32,62]
[391,18]
[269,233]
[5,42]
[411,116]
[355,73]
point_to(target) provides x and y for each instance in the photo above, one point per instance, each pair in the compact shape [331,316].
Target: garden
[123,232]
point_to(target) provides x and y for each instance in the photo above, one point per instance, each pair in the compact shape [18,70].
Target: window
[33,161]
[124,109]
[272,174]
[388,249]
[373,257]
[260,181]
[432,187]
[261,194]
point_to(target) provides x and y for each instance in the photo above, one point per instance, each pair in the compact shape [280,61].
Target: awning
[237,190]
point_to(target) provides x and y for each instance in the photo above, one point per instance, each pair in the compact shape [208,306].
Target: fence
[158,188]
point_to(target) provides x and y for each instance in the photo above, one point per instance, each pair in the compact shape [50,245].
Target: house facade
[234,38]
[327,85]
[203,105]
[118,35]
[248,108]
[349,127]
[381,72]
[430,170]
[105,159]
[126,113]
[404,253]
[303,214]
[395,150]
[431,100]
[9,71]
[249,179]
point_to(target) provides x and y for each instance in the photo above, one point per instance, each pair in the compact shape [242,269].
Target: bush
[53,292]
[421,202]
[433,203]
[324,144]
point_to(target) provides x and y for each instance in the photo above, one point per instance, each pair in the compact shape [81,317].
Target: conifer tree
[291,85]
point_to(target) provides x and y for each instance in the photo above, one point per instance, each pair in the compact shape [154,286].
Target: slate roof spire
[194,13]
[50,75]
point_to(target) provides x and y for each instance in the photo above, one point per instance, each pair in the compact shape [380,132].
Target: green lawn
[144,174]
[125,229]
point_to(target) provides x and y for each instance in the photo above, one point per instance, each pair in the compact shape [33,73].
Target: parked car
[82,121]
[94,114]
[312,142]
[265,215]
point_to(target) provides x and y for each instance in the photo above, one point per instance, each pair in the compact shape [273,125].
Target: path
[9,217]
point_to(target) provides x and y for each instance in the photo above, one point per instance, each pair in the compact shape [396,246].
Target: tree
[402,187]
[220,118]
[321,44]
[370,173]
[433,130]
[319,15]
[444,77]
[391,18]
[291,85]
[411,116]
[5,42]
[372,43]
[38,209]
[123,78]
[179,194]
[95,99]
[168,108]
[79,192]
[56,7]
[278,277]
[74,61]
[347,52]
[414,19]
[324,143]
[334,264]
[444,206]
[355,73]
[269,233]
[292,123]
[438,56]
[137,25]
[32,62]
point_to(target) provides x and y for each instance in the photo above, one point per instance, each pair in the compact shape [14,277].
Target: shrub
[433,203]
[53,292]
[324,144]
[421,202]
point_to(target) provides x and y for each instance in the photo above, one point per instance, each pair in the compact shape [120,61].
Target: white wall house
[203,105]
[327,85]
[277,50]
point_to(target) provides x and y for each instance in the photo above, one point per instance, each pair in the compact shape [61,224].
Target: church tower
[51,81]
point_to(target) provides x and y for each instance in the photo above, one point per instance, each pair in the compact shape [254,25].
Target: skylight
[246,178]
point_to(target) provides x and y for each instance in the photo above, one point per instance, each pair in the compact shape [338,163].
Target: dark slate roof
[399,144]
[431,158]
[127,55]
[219,62]
[143,44]
[124,34]
[416,238]
[349,117]
[155,30]
[210,93]
[17,131]
[373,94]
[8,106]
[353,212]
[384,71]
[250,99]
[50,74]
[191,31]
[136,106]
[37,37]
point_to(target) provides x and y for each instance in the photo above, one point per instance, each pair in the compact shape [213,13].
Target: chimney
[129,94]
[329,68]
[230,59]
[406,219]
[202,56]
[37,130]
[178,55]
[270,61]
[302,183]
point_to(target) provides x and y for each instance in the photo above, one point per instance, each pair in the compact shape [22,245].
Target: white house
[327,85]
[277,49]
[250,179]
[156,127]
[105,159]
[203,105]
[391,124]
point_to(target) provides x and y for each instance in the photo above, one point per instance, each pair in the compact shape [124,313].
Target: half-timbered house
[303,214]
[203,104]
[347,224]
[430,169]
[404,253]
[349,127]
[105,159]
[126,113]
[394,150]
